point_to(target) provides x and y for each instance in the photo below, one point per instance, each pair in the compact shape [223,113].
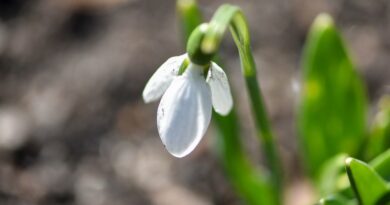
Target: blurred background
[75,131]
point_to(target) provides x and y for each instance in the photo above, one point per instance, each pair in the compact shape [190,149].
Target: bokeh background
[75,131]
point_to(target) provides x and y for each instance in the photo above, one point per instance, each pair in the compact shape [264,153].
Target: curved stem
[249,181]
[232,17]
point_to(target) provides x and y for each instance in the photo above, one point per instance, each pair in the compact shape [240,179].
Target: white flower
[184,112]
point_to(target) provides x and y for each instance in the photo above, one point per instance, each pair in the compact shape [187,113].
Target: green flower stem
[247,180]
[228,15]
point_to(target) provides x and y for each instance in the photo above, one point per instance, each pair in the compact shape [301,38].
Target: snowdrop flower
[184,112]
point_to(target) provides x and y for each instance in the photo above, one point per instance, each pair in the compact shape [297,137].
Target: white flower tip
[220,90]
[180,154]
[224,110]
[184,113]
[178,148]
[162,78]
[147,98]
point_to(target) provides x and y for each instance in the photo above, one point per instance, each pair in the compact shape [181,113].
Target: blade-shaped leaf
[368,186]
[381,165]
[332,175]
[331,185]
[380,131]
[189,16]
[331,116]
[336,200]
[384,200]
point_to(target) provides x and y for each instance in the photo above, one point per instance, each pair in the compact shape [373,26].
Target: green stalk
[231,16]
[249,182]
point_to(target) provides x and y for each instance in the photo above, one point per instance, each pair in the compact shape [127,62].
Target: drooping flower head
[184,111]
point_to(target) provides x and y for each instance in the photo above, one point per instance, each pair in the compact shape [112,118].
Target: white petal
[162,78]
[220,90]
[184,112]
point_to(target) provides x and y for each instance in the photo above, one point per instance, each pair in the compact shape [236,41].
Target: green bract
[194,50]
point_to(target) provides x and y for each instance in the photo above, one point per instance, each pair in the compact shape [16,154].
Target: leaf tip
[185,4]
[323,20]
[348,161]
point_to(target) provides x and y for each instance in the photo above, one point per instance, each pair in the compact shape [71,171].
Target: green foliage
[331,117]
[379,167]
[380,132]
[332,112]
[333,169]
[381,164]
[368,186]
[249,182]
[336,200]
[332,121]
[189,16]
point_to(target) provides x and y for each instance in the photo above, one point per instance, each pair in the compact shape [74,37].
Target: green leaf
[384,200]
[368,186]
[332,184]
[331,116]
[189,16]
[249,182]
[380,131]
[336,200]
[332,176]
[381,165]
